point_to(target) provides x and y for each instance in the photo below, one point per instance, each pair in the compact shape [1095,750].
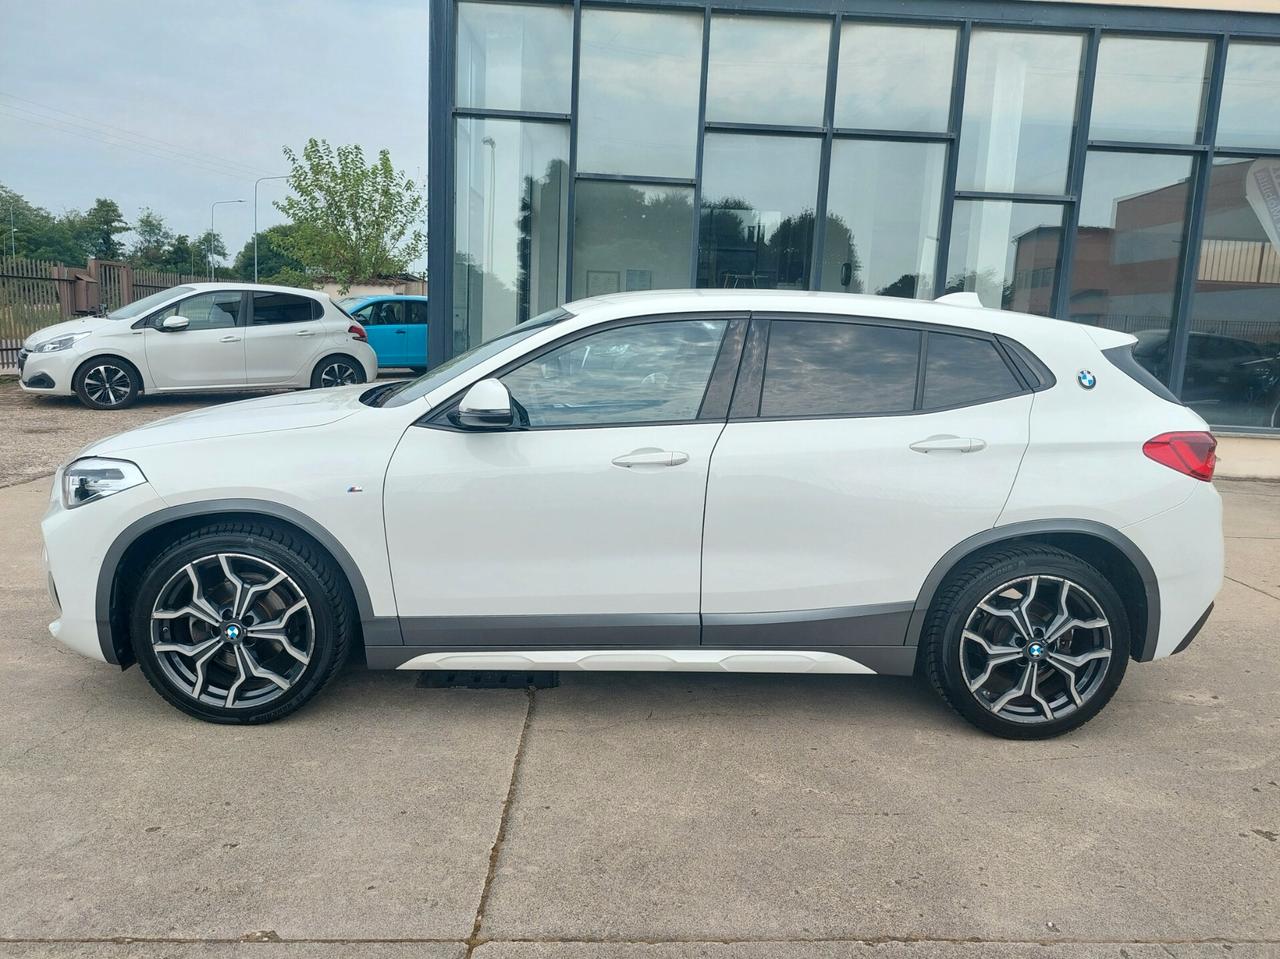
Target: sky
[173,105]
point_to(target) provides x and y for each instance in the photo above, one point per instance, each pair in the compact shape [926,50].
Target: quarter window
[283,308]
[207,311]
[647,373]
[964,369]
[819,368]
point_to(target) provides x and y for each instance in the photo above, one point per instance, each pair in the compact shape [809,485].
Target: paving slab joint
[476,939]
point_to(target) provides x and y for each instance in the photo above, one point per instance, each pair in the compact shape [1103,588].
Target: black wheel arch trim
[1144,647]
[107,574]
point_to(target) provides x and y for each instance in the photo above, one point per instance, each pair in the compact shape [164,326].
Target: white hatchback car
[690,480]
[199,336]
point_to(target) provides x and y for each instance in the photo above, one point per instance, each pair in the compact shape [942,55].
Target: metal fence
[36,293]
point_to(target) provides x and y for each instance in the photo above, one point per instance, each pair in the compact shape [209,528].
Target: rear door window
[272,308]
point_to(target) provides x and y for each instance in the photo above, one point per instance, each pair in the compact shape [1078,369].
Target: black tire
[308,571]
[337,370]
[107,383]
[947,658]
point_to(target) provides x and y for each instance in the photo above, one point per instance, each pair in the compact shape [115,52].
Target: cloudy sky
[172,105]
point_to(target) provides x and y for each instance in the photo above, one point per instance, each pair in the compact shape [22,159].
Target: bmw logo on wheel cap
[1087,379]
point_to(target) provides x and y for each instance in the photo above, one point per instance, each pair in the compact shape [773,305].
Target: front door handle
[229,339]
[650,457]
[305,333]
[946,443]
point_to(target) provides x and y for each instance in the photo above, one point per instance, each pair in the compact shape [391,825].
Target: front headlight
[60,343]
[93,478]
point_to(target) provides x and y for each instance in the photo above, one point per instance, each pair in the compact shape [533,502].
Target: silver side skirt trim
[646,660]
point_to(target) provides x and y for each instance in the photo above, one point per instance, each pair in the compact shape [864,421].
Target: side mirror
[487,405]
[175,324]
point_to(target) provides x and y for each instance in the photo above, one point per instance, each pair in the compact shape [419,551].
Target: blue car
[397,327]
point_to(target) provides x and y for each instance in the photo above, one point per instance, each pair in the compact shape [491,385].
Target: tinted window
[963,369]
[653,372]
[417,311]
[208,311]
[283,308]
[831,369]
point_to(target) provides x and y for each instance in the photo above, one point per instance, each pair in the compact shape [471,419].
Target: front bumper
[48,373]
[77,542]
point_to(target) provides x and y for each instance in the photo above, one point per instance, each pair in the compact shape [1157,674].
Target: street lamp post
[215,203]
[284,176]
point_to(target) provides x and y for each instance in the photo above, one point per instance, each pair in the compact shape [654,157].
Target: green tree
[275,263]
[152,240]
[38,234]
[99,228]
[354,221]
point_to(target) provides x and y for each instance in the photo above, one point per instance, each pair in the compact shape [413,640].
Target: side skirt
[848,660]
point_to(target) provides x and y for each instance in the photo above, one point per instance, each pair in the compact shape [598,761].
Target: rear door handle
[305,333]
[651,457]
[946,443]
[229,339]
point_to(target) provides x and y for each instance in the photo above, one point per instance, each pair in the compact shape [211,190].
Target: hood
[266,414]
[85,324]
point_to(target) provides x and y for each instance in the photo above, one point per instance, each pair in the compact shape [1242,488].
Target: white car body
[769,544]
[245,355]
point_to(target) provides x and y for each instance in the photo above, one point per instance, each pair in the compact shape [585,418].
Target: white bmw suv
[200,336]
[690,480]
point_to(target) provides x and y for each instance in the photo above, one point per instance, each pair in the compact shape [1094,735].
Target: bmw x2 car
[738,481]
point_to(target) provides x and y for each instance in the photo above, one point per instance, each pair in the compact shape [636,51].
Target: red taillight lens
[357,332]
[1193,454]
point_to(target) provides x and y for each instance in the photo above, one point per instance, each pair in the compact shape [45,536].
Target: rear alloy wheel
[240,624]
[337,371]
[1031,642]
[106,384]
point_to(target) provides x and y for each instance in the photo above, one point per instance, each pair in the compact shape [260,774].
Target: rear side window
[959,370]
[838,369]
[1122,358]
[270,308]
[417,312]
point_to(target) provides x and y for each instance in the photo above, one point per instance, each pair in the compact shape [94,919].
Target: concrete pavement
[643,817]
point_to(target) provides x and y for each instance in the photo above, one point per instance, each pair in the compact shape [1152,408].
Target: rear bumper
[1185,549]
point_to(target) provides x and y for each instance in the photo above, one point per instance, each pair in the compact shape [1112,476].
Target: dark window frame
[711,408]
[151,320]
[251,313]
[747,397]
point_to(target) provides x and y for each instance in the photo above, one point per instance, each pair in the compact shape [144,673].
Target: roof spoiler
[966,299]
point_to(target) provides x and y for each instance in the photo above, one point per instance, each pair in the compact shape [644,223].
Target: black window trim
[726,366]
[748,397]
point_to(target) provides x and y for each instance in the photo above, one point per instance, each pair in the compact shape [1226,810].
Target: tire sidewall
[323,617]
[135,382]
[1050,564]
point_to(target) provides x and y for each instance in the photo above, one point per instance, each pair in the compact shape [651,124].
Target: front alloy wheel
[1026,641]
[106,384]
[241,622]
[232,630]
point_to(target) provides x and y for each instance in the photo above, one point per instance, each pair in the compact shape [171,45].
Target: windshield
[416,389]
[347,302]
[138,307]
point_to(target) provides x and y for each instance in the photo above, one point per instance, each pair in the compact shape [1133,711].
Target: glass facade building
[1113,165]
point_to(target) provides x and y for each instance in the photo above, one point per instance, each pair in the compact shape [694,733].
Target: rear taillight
[357,333]
[1190,453]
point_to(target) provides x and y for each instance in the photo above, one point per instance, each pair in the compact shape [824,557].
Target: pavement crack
[475,939]
[1241,582]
